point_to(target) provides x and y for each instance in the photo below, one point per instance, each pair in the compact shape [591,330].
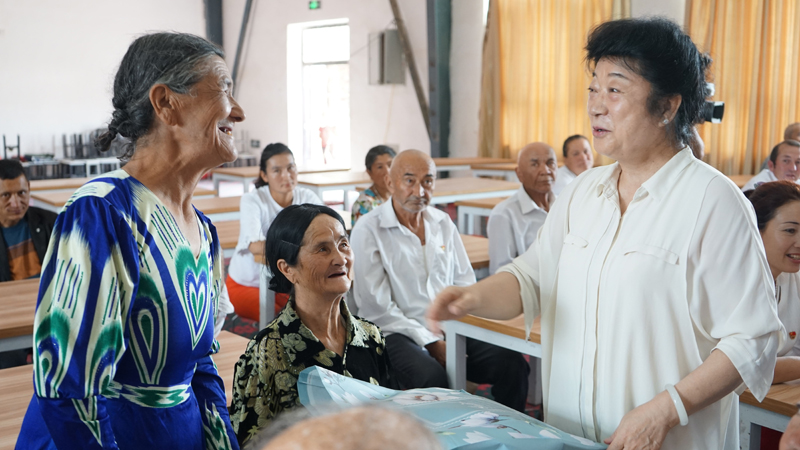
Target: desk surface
[228,233]
[444,162]
[59,198]
[217,205]
[470,185]
[19,305]
[740,180]
[252,171]
[514,327]
[477,250]
[59,183]
[501,166]
[16,386]
[487,203]
[334,179]
[781,399]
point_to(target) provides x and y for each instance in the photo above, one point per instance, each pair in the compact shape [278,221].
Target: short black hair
[570,139]
[173,59]
[376,151]
[276,148]
[773,155]
[285,236]
[11,169]
[766,198]
[660,52]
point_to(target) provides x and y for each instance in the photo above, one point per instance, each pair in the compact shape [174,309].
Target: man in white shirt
[405,252]
[783,164]
[578,158]
[513,223]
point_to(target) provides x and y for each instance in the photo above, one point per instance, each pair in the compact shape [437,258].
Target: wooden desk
[335,181]
[774,412]
[228,233]
[509,334]
[478,252]
[446,164]
[451,190]
[468,210]
[16,321]
[246,175]
[506,170]
[219,209]
[740,180]
[59,184]
[16,386]
[55,200]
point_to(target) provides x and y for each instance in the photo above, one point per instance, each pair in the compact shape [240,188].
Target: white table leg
[751,419]
[266,300]
[456,358]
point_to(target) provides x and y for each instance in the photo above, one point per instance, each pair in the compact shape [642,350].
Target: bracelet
[676,400]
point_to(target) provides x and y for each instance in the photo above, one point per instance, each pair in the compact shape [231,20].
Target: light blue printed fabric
[460,420]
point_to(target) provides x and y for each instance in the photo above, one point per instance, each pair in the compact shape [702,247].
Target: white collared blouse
[564,176]
[632,302]
[396,278]
[513,226]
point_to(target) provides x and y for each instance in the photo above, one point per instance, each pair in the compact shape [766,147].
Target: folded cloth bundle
[460,420]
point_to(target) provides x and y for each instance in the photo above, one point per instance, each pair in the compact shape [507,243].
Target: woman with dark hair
[308,248]
[777,206]
[655,297]
[124,325]
[378,162]
[276,188]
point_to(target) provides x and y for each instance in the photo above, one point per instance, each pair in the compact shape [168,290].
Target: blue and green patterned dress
[124,330]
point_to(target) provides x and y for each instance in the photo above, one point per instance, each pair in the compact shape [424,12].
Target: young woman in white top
[276,188]
[777,206]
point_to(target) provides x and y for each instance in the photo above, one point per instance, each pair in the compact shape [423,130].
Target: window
[319,94]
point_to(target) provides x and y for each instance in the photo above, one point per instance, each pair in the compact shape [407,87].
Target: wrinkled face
[210,111]
[787,165]
[411,184]
[379,170]
[536,169]
[781,238]
[14,198]
[281,174]
[325,262]
[622,127]
[579,156]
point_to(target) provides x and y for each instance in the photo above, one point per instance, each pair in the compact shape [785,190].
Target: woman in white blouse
[777,207]
[643,268]
[276,188]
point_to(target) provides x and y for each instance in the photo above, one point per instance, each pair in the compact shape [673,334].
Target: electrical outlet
[255,143]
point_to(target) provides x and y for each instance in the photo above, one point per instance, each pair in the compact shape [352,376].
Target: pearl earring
[665,121]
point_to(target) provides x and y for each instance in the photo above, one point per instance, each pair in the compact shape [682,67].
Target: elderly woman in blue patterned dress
[124,327]
[308,249]
[378,162]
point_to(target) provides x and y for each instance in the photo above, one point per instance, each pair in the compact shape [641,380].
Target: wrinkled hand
[438,349]
[645,427]
[791,437]
[452,303]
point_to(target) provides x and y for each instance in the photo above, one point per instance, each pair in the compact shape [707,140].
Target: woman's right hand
[452,303]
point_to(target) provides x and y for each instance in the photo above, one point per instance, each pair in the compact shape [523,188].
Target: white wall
[387,114]
[58,60]
[465,76]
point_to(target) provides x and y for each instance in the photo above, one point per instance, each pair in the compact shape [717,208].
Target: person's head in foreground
[277,169]
[577,154]
[536,170]
[777,206]
[792,132]
[411,181]
[174,89]
[15,193]
[645,95]
[309,253]
[784,160]
[378,162]
[358,428]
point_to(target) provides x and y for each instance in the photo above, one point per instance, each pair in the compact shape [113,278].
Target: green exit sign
[314,4]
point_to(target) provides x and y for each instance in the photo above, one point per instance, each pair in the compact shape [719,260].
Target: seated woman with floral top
[308,248]
[378,161]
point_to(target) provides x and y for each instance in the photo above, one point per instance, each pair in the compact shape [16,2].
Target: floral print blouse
[366,202]
[265,377]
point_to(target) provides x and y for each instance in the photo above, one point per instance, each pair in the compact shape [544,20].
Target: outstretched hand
[452,303]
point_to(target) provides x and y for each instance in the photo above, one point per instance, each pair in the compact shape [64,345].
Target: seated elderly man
[513,223]
[791,133]
[405,252]
[578,158]
[24,230]
[783,164]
